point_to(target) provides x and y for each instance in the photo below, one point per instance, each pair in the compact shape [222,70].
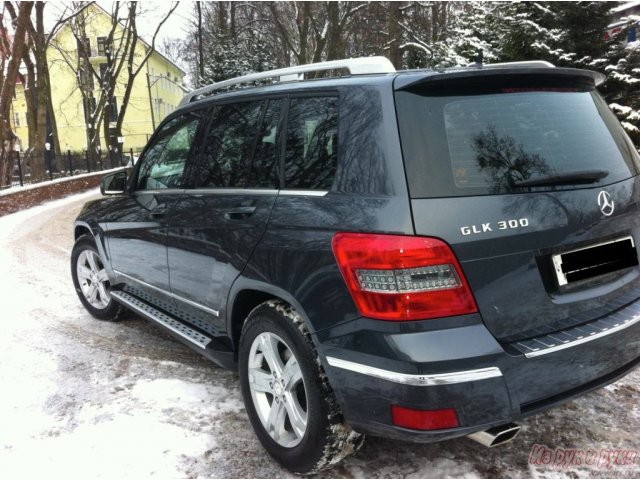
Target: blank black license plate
[595,260]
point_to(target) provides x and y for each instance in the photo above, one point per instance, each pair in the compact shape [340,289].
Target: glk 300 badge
[490,227]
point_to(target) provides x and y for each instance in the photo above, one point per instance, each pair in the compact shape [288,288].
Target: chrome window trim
[169,294]
[582,340]
[255,191]
[231,191]
[168,191]
[305,193]
[426,380]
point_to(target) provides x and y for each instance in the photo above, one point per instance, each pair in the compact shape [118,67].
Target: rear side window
[312,143]
[263,168]
[511,141]
[228,145]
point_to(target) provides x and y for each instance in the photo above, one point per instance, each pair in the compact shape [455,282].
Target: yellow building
[157,89]
[19,113]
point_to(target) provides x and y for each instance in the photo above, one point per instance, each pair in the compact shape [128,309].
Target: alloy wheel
[93,279]
[277,389]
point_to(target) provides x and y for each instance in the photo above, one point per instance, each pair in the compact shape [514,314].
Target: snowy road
[83,398]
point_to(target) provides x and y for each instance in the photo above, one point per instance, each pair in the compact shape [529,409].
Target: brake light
[424,419]
[397,277]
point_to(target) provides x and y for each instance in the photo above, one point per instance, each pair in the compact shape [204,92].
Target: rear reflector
[424,419]
[397,277]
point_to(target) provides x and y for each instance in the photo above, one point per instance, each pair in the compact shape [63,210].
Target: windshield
[511,141]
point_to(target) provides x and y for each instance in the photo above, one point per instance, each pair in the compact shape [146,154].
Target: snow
[620,108]
[625,6]
[32,186]
[83,398]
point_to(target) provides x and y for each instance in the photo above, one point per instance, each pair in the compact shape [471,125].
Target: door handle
[239,213]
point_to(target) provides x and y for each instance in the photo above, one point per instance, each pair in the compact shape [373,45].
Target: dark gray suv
[419,255]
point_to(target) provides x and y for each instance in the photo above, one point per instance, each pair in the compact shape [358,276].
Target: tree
[40,116]
[10,68]
[123,62]
[230,42]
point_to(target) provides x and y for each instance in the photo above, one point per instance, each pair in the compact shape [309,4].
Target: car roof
[401,80]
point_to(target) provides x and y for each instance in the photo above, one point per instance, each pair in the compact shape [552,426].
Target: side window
[312,143]
[263,170]
[164,161]
[229,145]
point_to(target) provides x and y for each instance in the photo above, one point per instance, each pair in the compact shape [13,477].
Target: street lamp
[99,151]
[120,147]
[47,151]
[16,148]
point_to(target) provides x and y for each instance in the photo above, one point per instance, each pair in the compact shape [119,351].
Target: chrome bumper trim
[590,335]
[425,380]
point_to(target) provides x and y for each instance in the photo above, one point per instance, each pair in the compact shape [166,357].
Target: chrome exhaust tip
[497,435]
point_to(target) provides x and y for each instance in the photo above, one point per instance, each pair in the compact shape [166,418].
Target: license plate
[594,260]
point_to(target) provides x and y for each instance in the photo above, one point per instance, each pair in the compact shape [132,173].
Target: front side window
[312,143]
[164,161]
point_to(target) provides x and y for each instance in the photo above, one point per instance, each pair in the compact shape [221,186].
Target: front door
[136,231]
[215,226]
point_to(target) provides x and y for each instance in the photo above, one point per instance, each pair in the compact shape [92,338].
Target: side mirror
[114,183]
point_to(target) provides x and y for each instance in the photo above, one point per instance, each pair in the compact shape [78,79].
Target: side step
[163,319]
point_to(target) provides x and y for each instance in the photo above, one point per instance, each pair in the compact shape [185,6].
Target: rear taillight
[396,277]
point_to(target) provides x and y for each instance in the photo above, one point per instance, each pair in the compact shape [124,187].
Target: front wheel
[91,281]
[287,396]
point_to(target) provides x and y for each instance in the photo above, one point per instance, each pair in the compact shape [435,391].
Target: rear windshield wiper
[567,178]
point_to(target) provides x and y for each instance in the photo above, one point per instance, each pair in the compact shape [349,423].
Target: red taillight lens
[424,419]
[397,277]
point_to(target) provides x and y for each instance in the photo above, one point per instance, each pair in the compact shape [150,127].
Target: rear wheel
[91,281]
[288,399]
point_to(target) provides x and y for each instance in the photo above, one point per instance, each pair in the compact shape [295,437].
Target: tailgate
[511,271]
[531,179]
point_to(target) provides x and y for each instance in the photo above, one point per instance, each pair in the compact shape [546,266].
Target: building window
[16,119]
[102,46]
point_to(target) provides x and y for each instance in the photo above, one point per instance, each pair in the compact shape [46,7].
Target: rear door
[215,227]
[136,228]
[532,181]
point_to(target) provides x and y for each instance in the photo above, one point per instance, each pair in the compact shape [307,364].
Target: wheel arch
[245,295]
[81,228]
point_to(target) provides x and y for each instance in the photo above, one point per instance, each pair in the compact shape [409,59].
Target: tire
[91,282]
[286,393]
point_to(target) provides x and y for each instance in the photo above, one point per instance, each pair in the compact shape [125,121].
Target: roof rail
[527,63]
[356,66]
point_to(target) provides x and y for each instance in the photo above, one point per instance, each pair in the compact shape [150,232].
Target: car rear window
[500,141]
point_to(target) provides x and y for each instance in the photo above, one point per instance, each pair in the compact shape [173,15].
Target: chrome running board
[161,318]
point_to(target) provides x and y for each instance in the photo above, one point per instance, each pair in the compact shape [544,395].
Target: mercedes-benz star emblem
[605,203]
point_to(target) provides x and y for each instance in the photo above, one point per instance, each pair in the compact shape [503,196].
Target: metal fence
[68,164]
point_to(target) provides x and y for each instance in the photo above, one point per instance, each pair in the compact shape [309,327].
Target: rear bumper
[372,365]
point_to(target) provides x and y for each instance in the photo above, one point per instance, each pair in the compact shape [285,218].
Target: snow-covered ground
[84,398]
